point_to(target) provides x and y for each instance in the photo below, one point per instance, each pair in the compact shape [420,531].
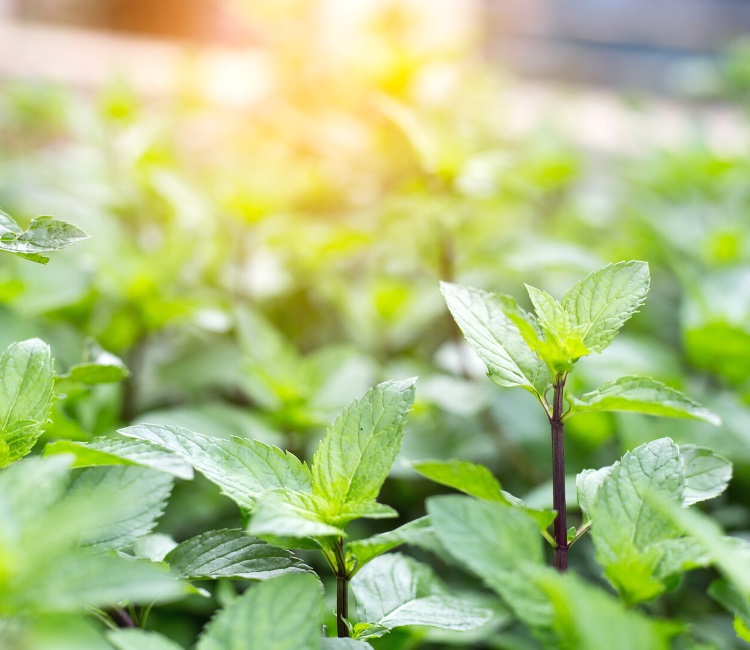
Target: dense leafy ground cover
[254,295]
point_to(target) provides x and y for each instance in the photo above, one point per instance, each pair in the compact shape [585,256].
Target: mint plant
[537,352]
[289,505]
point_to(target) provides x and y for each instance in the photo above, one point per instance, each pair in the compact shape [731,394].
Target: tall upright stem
[558,476]
[342,591]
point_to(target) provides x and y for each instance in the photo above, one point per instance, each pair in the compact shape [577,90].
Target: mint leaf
[43,235]
[562,345]
[600,303]
[135,497]
[276,615]
[498,543]
[113,451]
[136,639]
[627,527]
[588,483]
[641,395]
[98,367]
[496,338]
[231,554]
[477,481]
[26,383]
[363,550]
[334,643]
[243,469]
[707,474]
[356,455]
[293,516]
[469,478]
[394,590]
[586,618]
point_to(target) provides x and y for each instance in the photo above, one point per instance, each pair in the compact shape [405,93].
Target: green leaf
[588,483]
[707,474]
[729,554]
[136,639]
[496,338]
[43,568]
[733,600]
[26,384]
[231,554]
[600,304]
[280,614]
[587,618]
[43,235]
[356,455]
[362,551]
[469,478]
[98,367]
[394,591]
[561,345]
[113,451]
[81,580]
[641,395]
[627,527]
[135,497]
[498,543]
[290,515]
[477,481]
[243,469]
[334,643]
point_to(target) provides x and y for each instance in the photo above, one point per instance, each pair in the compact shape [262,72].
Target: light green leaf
[335,643]
[730,555]
[135,497]
[627,527]
[587,618]
[641,395]
[588,483]
[26,383]
[291,516]
[43,568]
[500,544]
[114,451]
[551,314]
[561,345]
[600,303]
[243,469]
[394,591]
[356,455]
[707,474]
[153,547]
[81,580]
[477,481]
[231,554]
[281,614]
[98,367]
[362,551]
[733,600]
[496,338]
[43,235]
[136,639]
[469,478]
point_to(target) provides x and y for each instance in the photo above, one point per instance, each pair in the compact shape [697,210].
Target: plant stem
[558,477]
[342,591]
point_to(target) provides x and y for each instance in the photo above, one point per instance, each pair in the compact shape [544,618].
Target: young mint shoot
[538,351]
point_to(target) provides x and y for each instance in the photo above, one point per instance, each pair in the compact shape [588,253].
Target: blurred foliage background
[258,263]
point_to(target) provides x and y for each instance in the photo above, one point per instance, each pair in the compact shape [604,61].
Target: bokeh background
[274,188]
